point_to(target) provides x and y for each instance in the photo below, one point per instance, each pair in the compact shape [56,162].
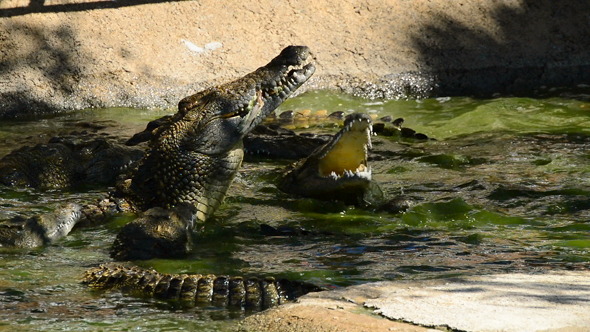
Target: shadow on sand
[539,43]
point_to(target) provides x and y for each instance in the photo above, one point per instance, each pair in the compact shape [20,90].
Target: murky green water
[504,187]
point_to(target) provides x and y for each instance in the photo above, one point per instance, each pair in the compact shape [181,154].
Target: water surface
[504,187]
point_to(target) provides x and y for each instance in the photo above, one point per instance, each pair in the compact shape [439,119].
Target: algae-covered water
[504,186]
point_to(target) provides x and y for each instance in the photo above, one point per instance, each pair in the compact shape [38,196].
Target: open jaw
[337,170]
[345,156]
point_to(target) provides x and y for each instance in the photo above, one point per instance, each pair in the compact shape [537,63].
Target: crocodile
[193,155]
[338,169]
[68,162]
[246,293]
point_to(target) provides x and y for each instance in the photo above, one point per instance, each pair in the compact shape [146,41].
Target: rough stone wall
[60,55]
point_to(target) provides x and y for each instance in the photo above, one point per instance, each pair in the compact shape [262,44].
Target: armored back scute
[248,293]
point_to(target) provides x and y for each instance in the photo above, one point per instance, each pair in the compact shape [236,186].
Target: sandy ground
[60,55]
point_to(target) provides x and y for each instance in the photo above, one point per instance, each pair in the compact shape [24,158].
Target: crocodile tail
[253,294]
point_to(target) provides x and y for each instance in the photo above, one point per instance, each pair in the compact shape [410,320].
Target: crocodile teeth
[297,76]
[361,172]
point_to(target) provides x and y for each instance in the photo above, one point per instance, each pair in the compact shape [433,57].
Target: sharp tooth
[298,76]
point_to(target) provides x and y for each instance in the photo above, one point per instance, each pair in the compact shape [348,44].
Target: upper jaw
[230,111]
[286,72]
[276,81]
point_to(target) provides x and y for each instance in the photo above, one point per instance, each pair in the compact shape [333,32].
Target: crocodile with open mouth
[194,154]
[337,169]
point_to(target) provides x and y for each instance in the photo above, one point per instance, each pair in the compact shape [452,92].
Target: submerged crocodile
[39,230]
[249,293]
[67,162]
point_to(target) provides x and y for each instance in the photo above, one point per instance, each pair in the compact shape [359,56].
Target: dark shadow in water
[38,6]
[538,43]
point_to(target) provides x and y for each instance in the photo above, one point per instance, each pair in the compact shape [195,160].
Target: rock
[550,301]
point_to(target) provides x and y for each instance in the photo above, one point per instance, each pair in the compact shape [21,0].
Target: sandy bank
[71,54]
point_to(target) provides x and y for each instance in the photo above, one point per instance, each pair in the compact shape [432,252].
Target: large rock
[552,301]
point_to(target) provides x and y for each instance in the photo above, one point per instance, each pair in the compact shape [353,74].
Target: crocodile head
[218,118]
[337,170]
[194,154]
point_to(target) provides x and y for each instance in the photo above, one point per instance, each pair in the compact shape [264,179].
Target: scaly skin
[277,142]
[253,294]
[194,155]
[67,162]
